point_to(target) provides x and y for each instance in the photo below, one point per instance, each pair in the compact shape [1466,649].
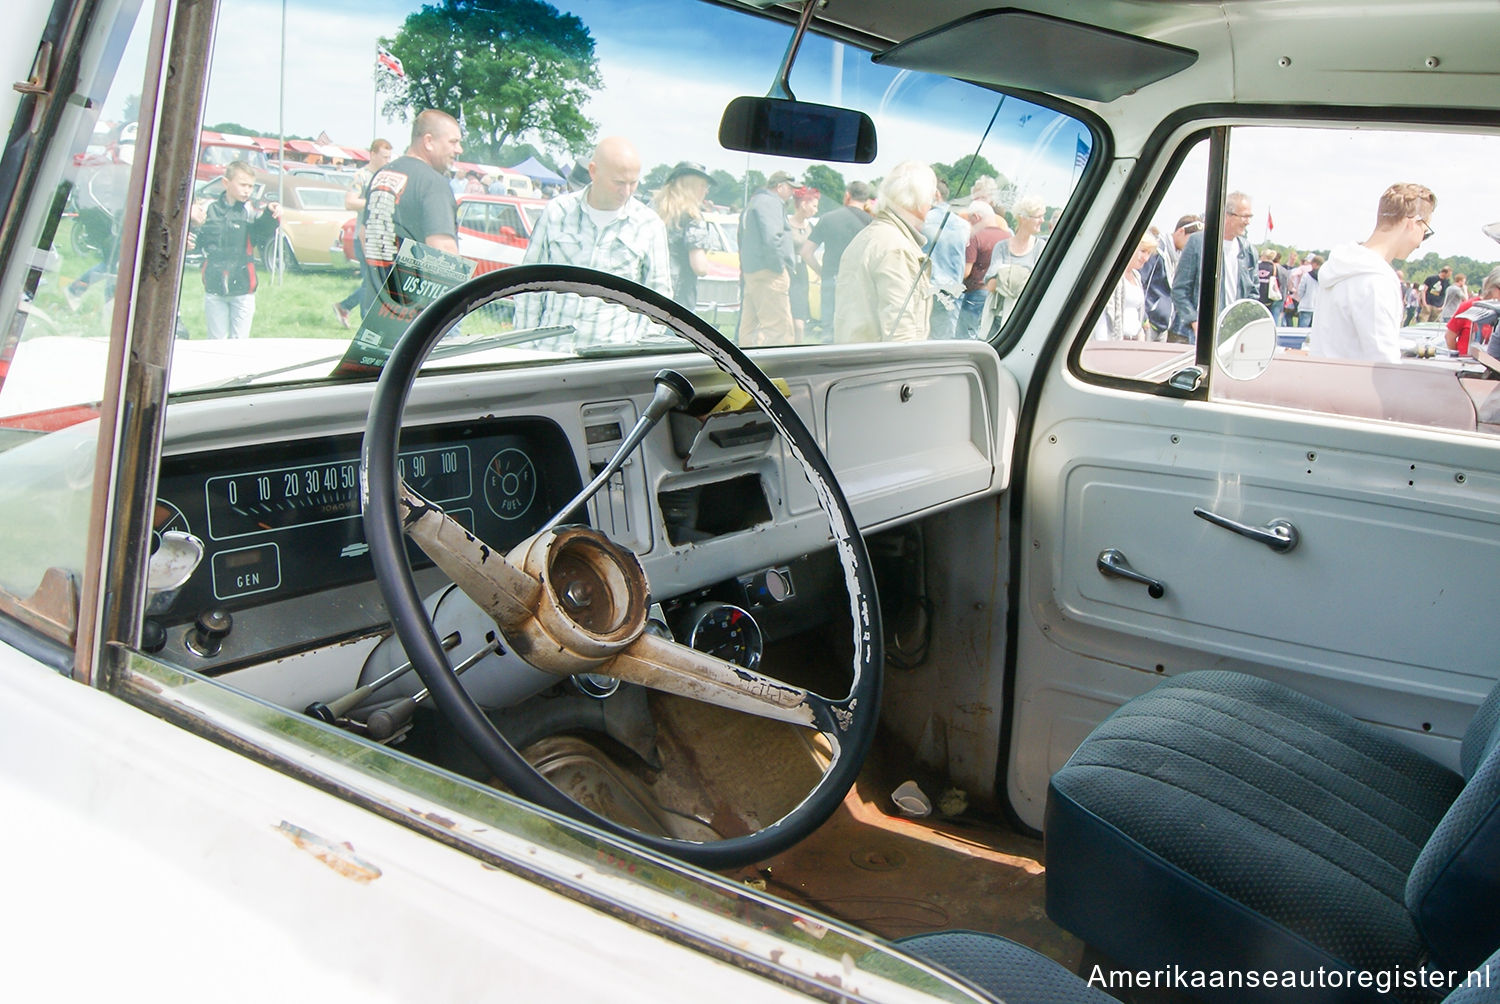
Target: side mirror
[1246,337]
[783,128]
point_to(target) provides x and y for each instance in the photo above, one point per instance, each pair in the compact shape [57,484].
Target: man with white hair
[883,290]
[989,229]
[1237,278]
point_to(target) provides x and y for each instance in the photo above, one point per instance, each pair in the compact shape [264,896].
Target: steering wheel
[569,600]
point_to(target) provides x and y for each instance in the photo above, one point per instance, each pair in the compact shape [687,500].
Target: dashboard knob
[208,632]
[153,635]
[771,586]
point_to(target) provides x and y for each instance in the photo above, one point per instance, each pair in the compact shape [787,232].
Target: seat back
[1453,892]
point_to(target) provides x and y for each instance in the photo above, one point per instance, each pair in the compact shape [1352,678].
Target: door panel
[1382,608]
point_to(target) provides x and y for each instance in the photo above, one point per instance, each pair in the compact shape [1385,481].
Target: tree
[505,71]
[724,190]
[826,180]
[656,177]
[960,174]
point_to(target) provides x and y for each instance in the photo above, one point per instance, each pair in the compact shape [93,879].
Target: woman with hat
[679,204]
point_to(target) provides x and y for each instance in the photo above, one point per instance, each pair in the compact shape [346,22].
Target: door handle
[1279,534]
[1112,564]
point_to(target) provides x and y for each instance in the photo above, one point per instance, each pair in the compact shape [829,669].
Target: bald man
[602,227]
[409,199]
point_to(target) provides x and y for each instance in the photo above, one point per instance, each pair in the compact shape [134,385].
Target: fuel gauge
[509,484]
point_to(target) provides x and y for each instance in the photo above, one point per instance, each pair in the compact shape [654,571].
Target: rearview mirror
[783,128]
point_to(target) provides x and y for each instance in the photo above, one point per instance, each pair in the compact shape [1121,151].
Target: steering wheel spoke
[502,590]
[569,600]
[673,668]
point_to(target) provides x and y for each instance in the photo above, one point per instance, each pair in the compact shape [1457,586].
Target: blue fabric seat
[1225,822]
[1015,974]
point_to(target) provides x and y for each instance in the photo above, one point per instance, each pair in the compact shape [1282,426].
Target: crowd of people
[1354,304]
[904,262]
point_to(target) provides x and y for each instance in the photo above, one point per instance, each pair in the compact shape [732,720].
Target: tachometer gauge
[726,631]
[166,516]
[509,484]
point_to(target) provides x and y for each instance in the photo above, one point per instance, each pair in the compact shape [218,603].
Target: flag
[386,61]
[1270,224]
[1080,155]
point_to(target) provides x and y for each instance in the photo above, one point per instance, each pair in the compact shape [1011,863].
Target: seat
[1015,974]
[1225,822]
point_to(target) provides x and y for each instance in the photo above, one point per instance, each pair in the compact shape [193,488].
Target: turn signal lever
[673,390]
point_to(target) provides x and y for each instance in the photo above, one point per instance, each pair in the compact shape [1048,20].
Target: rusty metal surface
[867,866]
[896,877]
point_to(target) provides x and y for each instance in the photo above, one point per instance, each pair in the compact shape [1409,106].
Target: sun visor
[1037,52]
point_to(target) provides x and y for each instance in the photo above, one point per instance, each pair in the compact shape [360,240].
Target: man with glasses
[1237,277]
[1359,295]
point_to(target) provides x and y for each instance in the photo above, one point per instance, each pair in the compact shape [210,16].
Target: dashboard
[282,520]
[714,505]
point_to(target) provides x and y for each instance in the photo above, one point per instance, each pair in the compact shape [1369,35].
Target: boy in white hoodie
[1359,296]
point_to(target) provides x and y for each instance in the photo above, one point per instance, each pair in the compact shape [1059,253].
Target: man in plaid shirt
[602,227]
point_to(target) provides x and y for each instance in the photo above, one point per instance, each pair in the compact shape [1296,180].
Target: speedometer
[509,484]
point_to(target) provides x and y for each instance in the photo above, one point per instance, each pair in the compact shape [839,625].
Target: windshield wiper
[507,340]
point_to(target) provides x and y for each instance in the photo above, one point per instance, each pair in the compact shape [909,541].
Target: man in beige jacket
[884,293]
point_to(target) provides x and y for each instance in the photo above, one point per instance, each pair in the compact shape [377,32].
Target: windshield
[610,151]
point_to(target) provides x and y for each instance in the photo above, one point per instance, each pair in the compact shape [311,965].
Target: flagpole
[276,269]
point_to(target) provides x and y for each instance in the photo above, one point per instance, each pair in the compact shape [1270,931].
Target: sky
[330,53]
[1319,186]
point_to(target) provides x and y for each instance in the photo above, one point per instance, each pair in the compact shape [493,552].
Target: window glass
[1147,330]
[1383,289]
[610,138]
[53,349]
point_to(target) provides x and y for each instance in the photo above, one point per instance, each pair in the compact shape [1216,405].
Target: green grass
[292,305]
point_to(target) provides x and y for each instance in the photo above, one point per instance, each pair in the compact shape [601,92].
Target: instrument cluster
[282,520]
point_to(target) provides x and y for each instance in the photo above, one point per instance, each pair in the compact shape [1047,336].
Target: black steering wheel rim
[379,481]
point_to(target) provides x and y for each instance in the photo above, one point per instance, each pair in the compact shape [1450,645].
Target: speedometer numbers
[509,484]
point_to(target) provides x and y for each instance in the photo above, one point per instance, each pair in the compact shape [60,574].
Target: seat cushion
[1221,821]
[1003,968]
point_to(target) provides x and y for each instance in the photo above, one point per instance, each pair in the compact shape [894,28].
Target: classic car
[312,215]
[541,638]
[493,230]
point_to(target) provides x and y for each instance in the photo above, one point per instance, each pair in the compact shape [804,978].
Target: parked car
[542,640]
[493,230]
[216,150]
[312,216]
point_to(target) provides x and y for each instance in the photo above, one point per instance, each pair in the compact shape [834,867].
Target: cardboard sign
[420,275]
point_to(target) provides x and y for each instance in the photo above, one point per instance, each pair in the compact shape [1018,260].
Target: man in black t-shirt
[1434,288]
[409,199]
[834,231]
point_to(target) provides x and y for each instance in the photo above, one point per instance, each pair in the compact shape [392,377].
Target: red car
[492,229]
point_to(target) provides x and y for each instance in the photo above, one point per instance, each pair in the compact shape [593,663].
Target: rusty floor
[895,876]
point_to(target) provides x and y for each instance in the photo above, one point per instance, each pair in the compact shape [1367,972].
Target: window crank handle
[1112,564]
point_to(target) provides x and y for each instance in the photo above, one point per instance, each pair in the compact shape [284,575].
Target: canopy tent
[537,171]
